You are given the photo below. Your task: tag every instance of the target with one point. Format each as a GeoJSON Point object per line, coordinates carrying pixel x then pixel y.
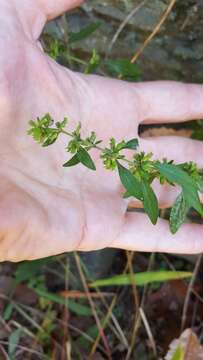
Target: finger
{"type": "Point", "coordinates": [170, 101]}
{"type": "Point", "coordinates": [34, 14]}
{"type": "Point", "coordinates": [138, 234]}
{"type": "Point", "coordinates": [165, 194]}
{"type": "Point", "coordinates": [175, 148]}
{"type": "Point", "coordinates": [53, 8]}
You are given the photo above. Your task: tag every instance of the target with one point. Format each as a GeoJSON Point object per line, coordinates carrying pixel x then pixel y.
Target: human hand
{"type": "Point", "coordinates": [46, 209]}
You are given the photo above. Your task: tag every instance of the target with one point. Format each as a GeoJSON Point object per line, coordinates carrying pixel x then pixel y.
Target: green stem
{"type": "Point", "coordinates": [66, 133]}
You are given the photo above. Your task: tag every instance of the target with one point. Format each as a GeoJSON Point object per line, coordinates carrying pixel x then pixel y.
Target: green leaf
{"type": "Point", "coordinates": [124, 68]}
{"type": "Point", "coordinates": [178, 354]}
{"type": "Point", "coordinates": [132, 144]}
{"type": "Point", "coordinates": [126, 195]}
{"type": "Point", "coordinates": [85, 159]}
{"type": "Point", "coordinates": [93, 63]}
{"type": "Point", "coordinates": [192, 199]}
{"type": "Point", "coordinates": [72, 162]}
{"type": "Point", "coordinates": [26, 270]}
{"type": "Point", "coordinates": [176, 175]}
{"type": "Point", "coordinates": [71, 304]}
{"type": "Point", "coordinates": [150, 202]}
{"type": "Point", "coordinates": [51, 139]}
{"type": "Point", "coordinates": [36, 133]}
{"type": "Point", "coordinates": [178, 213]}
{"type": "Point", "coordinates": [198, 134]}
{"type": "Point", "coordinates": [130, 183]}
{"type": "Point", "coordinates": [83, 33]}
{"type": "Point", "coordinates": [142, 278]}
{"type": "Point", "coordinates": [7, 313]}
{"type": "Point", "coordinates": [14, 339]}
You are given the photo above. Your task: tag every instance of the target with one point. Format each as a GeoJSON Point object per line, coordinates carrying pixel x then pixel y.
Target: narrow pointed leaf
{"type": "Point", "coordinates": [126, 195]}
{"type": "Point", "coordinates": [125, 68]}
{"type": "Point", "coordinates": [192, 199]}
{"type": "Point", "coordinates": [51, 140]}
{"type": "Point", "coordinates": [178, 213]}
{"type": "Point", "coordinates": [131, 144]}
{"type": "Point", "coordinates": [85, 159]}
{"type": "Point", "coordinates": [142, 278]}
{"type": "Point", "coordinates": [150, 202]}
{"type": "Point", "coordinates": [74, 306]}
{"type": "Point", "coordinates": [84, 33]}
{"type": "Point", "coordinates": [190, 189]}
{"type": "Point", "coordinates": [178, 354]}
{"type": "Point", "coordinates": [14, 339]}
{"type": "Point", "coordinates": [130, 183]}
{"type": "Point", "coordinates": [176, 175]}
{"type": "Point", "coordinates": [72, 162]}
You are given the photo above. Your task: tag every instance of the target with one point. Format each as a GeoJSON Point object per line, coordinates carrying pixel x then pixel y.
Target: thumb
{"type": "Point", "coordinates": [53, 8]}
{"type": "Point", "coordinates": [34, 14]}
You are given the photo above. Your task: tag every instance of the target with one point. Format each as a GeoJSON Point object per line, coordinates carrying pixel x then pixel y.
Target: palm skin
{"type": "Point", "coordinates": [46, 209]}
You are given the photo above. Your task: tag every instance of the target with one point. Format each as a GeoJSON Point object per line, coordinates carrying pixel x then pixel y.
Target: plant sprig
{"type": "Point", "coordinates": [138, 174]}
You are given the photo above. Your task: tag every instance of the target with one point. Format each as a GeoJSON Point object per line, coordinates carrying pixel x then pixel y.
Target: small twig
{"type": "Point", "coordinates": [133, 282]}
{"type": "Point", "coordinates": [108, 315]}
{"type": "Point", "coordinates": [149, 332]}
{"type": "Point", "coordinates": [154, 32]}
{"type": "Point", "coordinates": [4, 353]}
{"type": "Point", "coordinates": [26, 331]}
{"type": "Point", "coordinates": [75, 294]}
{"type": "Point", "coordinates": [5, 325]}
{"type": "Point", "coordinates": [24, 348]}
{"type": "Point", "coordinates": [189, 291]}
{"type": "Point", "coordinates": [138, 319]}
{"type": "Point", "coordinates": [136, 299]}
{"type": "Point", "coordinates": [124, 23]}
{"type": "Point", "coordinates": [117, 331]}
{"type": "Point", "coordinates": [77, 260]}
{"type": "Point", "coordinates": [84, 335]}
{"type": "Point", "coordinates": [66, 336]}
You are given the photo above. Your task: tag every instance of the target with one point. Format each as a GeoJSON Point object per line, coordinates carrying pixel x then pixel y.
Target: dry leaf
{"type": "Point", "coordinates": [189, 342]}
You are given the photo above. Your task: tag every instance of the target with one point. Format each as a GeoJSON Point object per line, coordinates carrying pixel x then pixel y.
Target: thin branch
{"type": "Point", "coordinates": [154, 32]}
{"type": "Point", "coordinates": [189, 291]}
{"type": "Point", "coordinates": [138, 318]}
{"type": "Point", "coordinates": [108, 315]}
{"type": "Point", "coordinates": [149, 332]}
{"type": "Point", "coordinates": [124, 23]}
{"type": "Point", "coordinates": [84, 282]}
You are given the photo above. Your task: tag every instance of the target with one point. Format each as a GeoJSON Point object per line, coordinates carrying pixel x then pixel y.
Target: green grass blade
{"type": "Point", "coordinates": [71, 304]}
{"type": "Point", "coordinates": [84, 33]}
{"type": "Point", "coordinates": [179, 354]}
{"type": "Point", "coordinates": [142, 278]}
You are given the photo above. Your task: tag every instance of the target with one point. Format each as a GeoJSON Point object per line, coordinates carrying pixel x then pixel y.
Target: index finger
{"type": "Point", "coordinates": [53, 8]}
{"type": "Point", "coordinates": [170, 101]}
{"type": "Point", "coordinates": [138, 234]}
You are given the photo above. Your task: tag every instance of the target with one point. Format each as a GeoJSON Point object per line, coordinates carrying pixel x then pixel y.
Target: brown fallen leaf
{"type": "Point", "coordinates": [189, 343]}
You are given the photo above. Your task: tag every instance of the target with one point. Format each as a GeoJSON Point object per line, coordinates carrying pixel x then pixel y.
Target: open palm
{"type": "Point", "coordinates": [46, 209]}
